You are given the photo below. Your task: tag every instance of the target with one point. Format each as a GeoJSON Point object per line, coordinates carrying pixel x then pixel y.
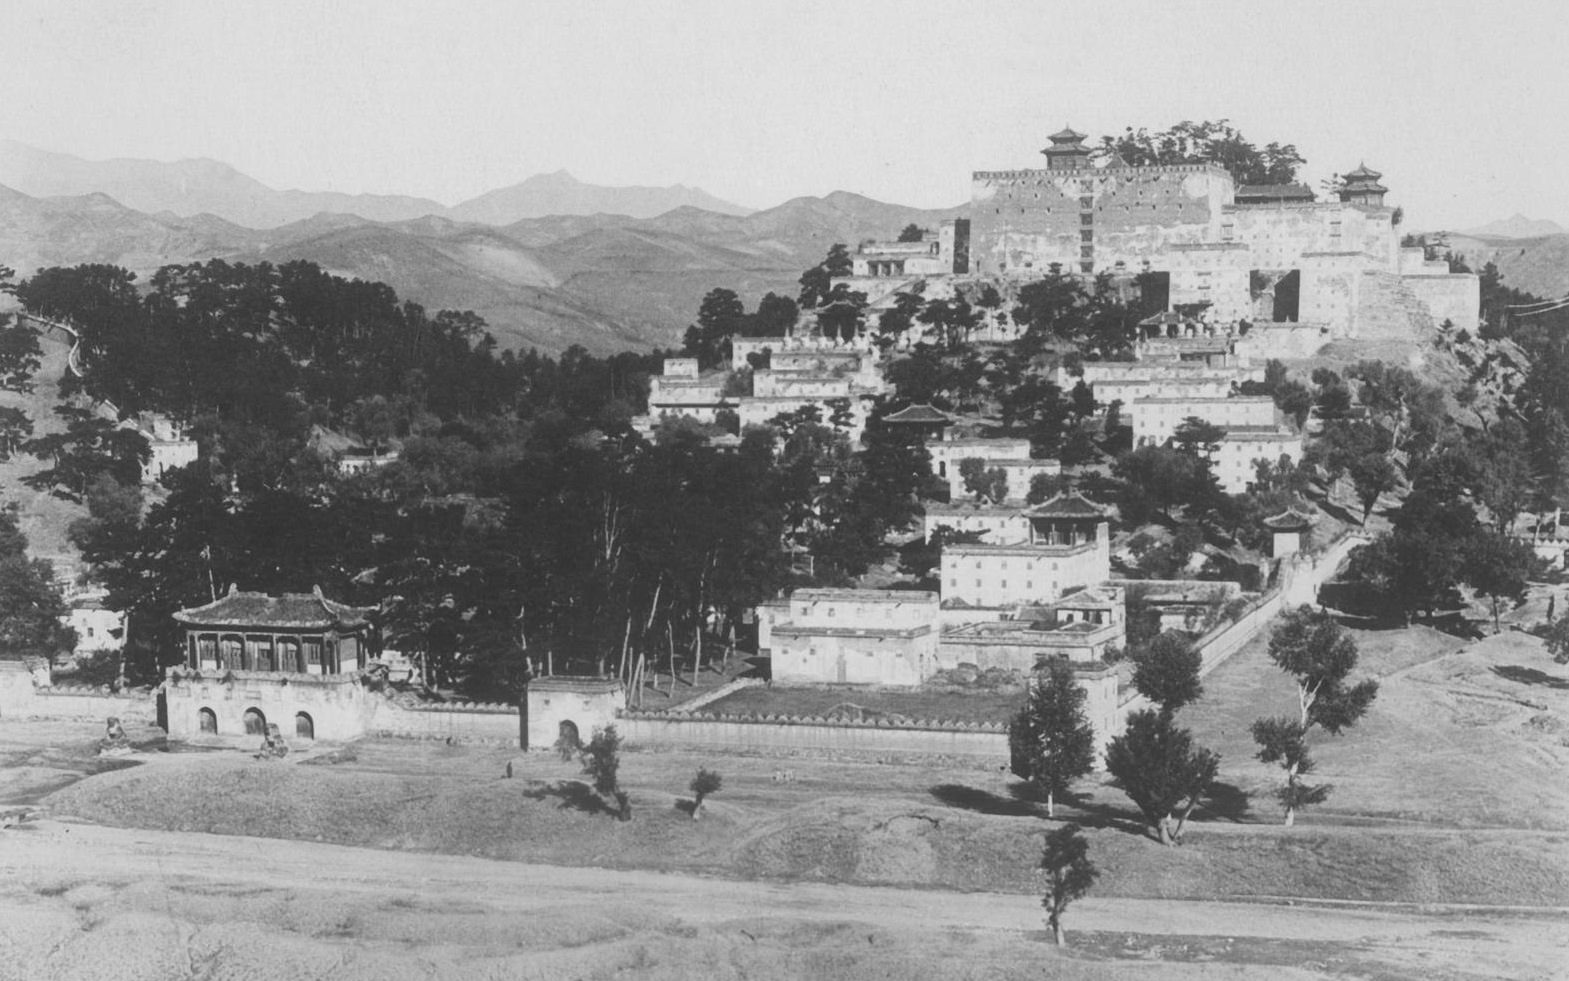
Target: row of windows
{"type": "Point", "coordinates": [887, 612]}
{"type": "Point", "coordinates": [1030, 564]}
{"type": "Point", "coordinates": [812, 652]}
{"type": "Point", "coordinates": [1087, 217]}
{"type": "Point", "coordinates": [980, 584]}
{"type": "Point", "coordinates": [257, 650]}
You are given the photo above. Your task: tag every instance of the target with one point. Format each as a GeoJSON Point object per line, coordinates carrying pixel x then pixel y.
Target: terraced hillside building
{"type": "Point", "coordinates": [1261, 254]}
{"type": "Point", "coordinates": [1067, 548]}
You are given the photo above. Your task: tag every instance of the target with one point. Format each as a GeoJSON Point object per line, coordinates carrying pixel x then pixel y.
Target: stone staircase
{"type": "Point", "coordinates": [1387, 310]}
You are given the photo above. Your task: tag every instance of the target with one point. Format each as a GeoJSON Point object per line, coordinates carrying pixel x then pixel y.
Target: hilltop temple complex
{"type": "Point", "coordinates": [1264, 254]}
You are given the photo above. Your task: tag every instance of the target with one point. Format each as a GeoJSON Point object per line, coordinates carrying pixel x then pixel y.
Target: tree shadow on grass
{"type": "Point", "coordinates": [1521, 674]}
{"type": "Point", "coordinates": [984, 801]}
{"type": "Point", "coordinates": [1226, 802]}
{"type": "Point", "coordinates": [1091, 813]}
{"type": "Point", "coordinates": [1023, 801]}
{"type": "Point", "coordinates": [574, 794]}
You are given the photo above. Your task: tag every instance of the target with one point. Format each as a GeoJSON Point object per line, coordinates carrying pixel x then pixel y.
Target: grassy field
{"type": "Point", "coordinates": [1450, 791]}
{"type": "Point", "coordinates": [1460, 736]}
{"type": "Point", "coordinates": [840, 822]}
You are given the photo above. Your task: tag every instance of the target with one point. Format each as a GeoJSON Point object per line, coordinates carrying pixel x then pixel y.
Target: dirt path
{"type": "Point", "coordinates": [78, 893]}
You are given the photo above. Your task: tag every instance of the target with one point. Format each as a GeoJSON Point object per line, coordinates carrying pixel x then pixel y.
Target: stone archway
{"type": "Point", "coordinates": [207, 721]}
{"type": "Point", "coordinates": [255, 722]}
{"type": "Point", "coordinates": [567, 736]}
{"type": "Point", "coordinates": [304, 726]}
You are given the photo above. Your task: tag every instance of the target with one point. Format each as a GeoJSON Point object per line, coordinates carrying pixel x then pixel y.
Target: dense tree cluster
{"type": "Point", "coordinates": [30, 605]}
{"type": "Point", "coordinates": [522, 519]}
{"type": "Point", "coordinates": [1211, 141]}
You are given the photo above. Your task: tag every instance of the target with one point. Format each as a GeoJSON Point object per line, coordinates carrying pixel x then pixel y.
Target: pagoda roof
{"type": "Point", "coordinates": [1067, 135]}
{"type": "Point", "coordinates": [1289, 520]}
{"type": "Point", "coordinates": [1068, 504]}
{"type": "Point", "coordinates": [298, 610]}
{"type": "Point", "coordinates": [922, 413]}
{"type": "Point", "coordinates": [1363, 173]}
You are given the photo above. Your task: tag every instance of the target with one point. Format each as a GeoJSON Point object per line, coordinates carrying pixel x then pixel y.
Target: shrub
{"type": "Point", "coordinates": [706, 782]}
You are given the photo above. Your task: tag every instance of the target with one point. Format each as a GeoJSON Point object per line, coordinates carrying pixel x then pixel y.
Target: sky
{"type": "Point", "coordinates": [1460, 104]}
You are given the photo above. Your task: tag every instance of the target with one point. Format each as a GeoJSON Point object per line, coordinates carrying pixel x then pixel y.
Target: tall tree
{"type": "Point", "coordinates": [775, 316]}
{"type": "Point", "coordinates": [1166, 671]}
{"type": "Point", "coordinates": [1312, 647]}
{"type": "Point", "coordinates": [817, 282]}
{"type": "Point", "coordinates": [1069, 874]}
{"type": "Point", "coordinates": [31, 610]}
{"type": "Point", "coordinates": [986, 483]}
{"type": "Point", "coordinates": [721, 317]}
{"type": "Point", "coordinates": [840, 313]}
{"type": "Point", "coordinates": [1162, 770]}
{"type": "Point", "coordinates": [90, 447]}
{"type": "Point", "coordinates": [1498, 567]}
{"type": "Point", "coordinates": [1050, 741]}
{"type": "Point", "coordinates": [601, 760]}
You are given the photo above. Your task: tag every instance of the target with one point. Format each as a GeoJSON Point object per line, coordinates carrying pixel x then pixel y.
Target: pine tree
{"type": "Point", "coordinates": [1311, 646]}
{"type": "Point", "coordinates": [1050, 740]}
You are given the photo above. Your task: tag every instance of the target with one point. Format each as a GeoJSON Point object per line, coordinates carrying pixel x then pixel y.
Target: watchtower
{"type": "Point", "coordinates": [1067, 151]}
{"type": "Point", "coordinates": [1362, 187]}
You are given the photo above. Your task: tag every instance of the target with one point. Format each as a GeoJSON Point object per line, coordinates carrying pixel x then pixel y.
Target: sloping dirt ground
{"type": "Point", "coordinates": [87, 902]}
{"type": "Point", "coordinates": [1448, 832]}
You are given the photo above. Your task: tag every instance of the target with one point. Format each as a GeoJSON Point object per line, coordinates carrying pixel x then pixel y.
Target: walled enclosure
{"type": "Point", "coordinates": [340, 707]}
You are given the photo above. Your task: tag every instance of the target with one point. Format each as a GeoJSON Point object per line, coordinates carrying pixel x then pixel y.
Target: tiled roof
{"type": "Point", "coordinates": [1289, 520]}
{"type": "Point", "coordinates": [287, 610]}
{"type": "Point", "coordinates": [1289, 192]}
{"type": "Point", "coordinates": [1363, 173]}
{"type": "Point", "coordinates": [815, 630]}
{"type": "Point", "coordinates": [973, 508]}
{"type": "Point", "coordinates": [919, 413]}
{"type": "Point", "coordinates": [1066, 135]}
{"type": "Point", "coordinates": [1068, 505]}
{"type": "Point", "coordinates": [863, 596]}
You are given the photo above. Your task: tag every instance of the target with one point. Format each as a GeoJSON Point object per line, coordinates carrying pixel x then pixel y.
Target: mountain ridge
{"type": "Point", "coordinates": [607, 282]}
{"type": "Point", "coordinates": [193, 186]}
{"type": "Point", "coordinates": [1516, 226]}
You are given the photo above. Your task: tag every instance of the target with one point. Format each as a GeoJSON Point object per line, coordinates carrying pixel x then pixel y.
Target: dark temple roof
{"type": "Point", "coordinates": [298, 610]}
{"type": "Point", "coordinates": [1289, 520]}
{"type": "Point", "coordinates": [1067, 505]}
{"type": "Point", "coordinates": [1275, 192]}
{"type": "Point", "coordinates": [922, 413]}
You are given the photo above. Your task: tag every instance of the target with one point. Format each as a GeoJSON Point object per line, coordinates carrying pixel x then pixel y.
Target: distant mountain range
{"type": "Point", "coordinates": [1537, 265]}
{"type": "Point", "coordinates": [1519, 226]}
{"type": "Point", "coordinates": [192, 187]}
{"type": "Point", "coordinates": [606, 281]}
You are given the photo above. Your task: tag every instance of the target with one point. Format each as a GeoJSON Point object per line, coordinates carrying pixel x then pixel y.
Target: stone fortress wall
{"type": "Point", "coordinates": [1343, 257]}
{"type": "Point", "coordinates": [1025, 220]}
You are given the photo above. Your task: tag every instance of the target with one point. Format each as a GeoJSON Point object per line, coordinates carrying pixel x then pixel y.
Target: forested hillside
{"type": "Point", "coordinates": [520, 509]}
{"type": "Point", "coordinates": [605, 282]}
